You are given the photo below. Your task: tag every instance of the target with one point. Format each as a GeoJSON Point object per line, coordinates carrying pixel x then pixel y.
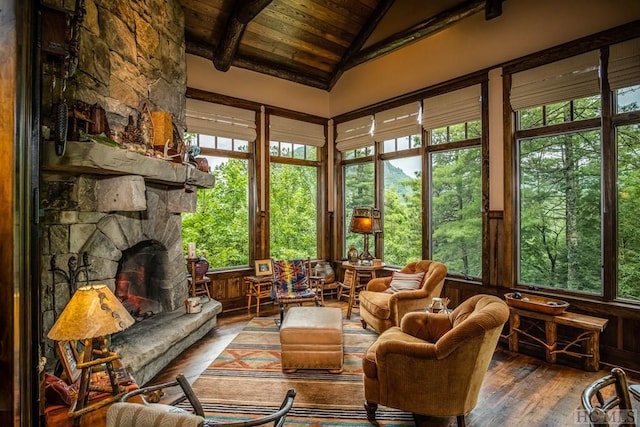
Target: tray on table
{"type": "Point", "coordinates": [540, 304]}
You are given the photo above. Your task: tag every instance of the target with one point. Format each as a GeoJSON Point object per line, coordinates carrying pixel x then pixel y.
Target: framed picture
{"type": "Point", "coordinates": [264, 267]}
{"type": "Point", "coordinates": [69, 359]}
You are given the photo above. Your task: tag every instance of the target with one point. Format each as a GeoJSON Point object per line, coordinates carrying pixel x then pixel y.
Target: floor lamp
{"type": "Point", "coordinates": [91, 315]}
{"type": "Point", "coordinates": [365, 221]}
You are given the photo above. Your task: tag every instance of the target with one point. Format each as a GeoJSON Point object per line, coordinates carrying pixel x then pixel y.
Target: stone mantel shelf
{"type": "Point", "coordinates": [95, 158]}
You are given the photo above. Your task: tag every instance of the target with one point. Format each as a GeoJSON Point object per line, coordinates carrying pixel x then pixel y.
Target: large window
{"type": "Point", "coordinates": [220, 226]}
{"type": "Point", "coordinates": [397, 131]}
{"type": "Point", "coordinates": [561, 153]}
{"type": "Point", "coordinates": [560, 169]}
{"type": "Point", "coordinates": [453, 131]}
{"type": "Point", "coordinates": [560, 221]}
{"type": "Point", "coordinates": [628, 142]}
{"type": "Point", "coordinates": [293, 187]}
{"type": "Point", "coordinates": [402, 207]}
{"type": "Point", "coordinates": [358, 192]}
{"type": "Point", "coordinates": [624, 78]}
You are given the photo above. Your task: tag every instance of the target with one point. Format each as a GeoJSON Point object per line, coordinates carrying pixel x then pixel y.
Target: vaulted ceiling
{"type": "Point", "coordinates": [313, 42]}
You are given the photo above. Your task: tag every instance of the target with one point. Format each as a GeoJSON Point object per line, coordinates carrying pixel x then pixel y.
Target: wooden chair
{"type": "Point", "coordinates": [344, 288]}
{"type": "Point", "coordinates": [599, 408]}
{"type": "Point", "coordinates": [125, 414]}
{"type": "Point", "coordinates": [291, 284]}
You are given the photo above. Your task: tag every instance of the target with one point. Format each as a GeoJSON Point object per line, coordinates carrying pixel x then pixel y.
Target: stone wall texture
{"type": "Point", "coordinates": [131, 52]}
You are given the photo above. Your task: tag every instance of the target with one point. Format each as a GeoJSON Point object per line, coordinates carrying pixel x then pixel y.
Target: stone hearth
{"type": "Point", "coordinates": [145, 354]}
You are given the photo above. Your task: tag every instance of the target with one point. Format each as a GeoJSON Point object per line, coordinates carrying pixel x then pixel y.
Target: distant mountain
{"type": "Point", "coordinates": [394, 177]}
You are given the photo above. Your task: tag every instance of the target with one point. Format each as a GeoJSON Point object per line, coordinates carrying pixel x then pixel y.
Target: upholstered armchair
{"type": "Point", "coordinates": [434, 364]}
{"type": "Point", "coordinates": [383, 303]}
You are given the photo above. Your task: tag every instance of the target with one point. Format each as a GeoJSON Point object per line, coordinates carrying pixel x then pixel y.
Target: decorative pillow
{"type": "Point", "coordinates": [405, 282]}
{"type": "Point", "coordinates": [56, 391]}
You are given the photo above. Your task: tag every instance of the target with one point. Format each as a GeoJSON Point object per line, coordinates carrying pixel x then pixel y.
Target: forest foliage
{"type": "Point", "coordinates": [559, 206]}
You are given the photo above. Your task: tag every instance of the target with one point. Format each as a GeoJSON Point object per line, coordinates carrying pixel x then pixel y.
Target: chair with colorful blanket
{"type": "Point", "coordinates": [291, 284]}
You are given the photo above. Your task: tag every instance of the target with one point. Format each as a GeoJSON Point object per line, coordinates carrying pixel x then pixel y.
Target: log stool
{"type": "Point", "coordinates": [311, 338]}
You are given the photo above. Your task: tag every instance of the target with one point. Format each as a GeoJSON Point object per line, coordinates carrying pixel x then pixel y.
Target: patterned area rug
{"type": "Point", "coordinates": [246, 381]}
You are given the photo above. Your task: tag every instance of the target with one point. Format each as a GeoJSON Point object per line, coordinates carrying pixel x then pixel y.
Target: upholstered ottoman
{"type": "Point", "coordinates": [311, 338]}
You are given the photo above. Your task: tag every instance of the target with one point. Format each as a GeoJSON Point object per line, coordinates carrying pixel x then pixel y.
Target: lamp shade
{"type": "Point", "coordinates": [365, 221]}
{"type": "Point", "coordinates": [93, 311]}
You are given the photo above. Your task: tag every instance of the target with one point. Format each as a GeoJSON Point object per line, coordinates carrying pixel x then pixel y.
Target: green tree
{"type": "Point", "coordinates": [293, 211]}
{"type": "Point", "coordinates": [358, 192]}
{"type": "Point", "coordinates": [220, 225]}
{"type": "Point", "coordinates": [628, 207]}
{"type": "Point", "coordinates": [402, 216]}
{"type": "Point", "coordinates": [456, 220]}
{"type": "Point", "coordinates": [560, 222]}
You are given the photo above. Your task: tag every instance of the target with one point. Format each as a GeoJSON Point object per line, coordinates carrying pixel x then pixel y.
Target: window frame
{"type": "Point", "coordinates": [607, 124]}
{"type": "Point", "coordinates": [318, 163]}
{"type": "Point", "coordinates": [248, 156]}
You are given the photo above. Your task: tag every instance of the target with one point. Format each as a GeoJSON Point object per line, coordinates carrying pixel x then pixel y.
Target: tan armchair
{"type": "Point", "coordinates": [382, 310]}
{"type": "Point", "coordinates": [434, 364]}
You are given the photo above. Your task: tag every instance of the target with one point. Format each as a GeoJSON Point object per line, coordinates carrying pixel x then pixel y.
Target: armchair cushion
{"type": "Point", "coordinates": [377, 303]}
{"type": "Point", "coordinates": [405, 282]}
{"type": "Point", "coordinates": [425, 326]}
{"type": "Point", "coordinates": [382, 309]}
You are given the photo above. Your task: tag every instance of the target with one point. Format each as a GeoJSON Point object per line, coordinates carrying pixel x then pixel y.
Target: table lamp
{"type": "Point", "coordinates": [365, 221]}
{"type": "Point", "coordinates": [93, 313]}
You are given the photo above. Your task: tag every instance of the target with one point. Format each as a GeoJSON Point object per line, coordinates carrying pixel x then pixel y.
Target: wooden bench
{"type": "Point", "coordinates": [588, 339]}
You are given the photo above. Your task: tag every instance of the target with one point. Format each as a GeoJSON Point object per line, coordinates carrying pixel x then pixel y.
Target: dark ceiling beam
{"type": "Point", "coordinates": [282, 73]}
{"type": "Point", "coordinates": [205, 51]}
{"type": "Point", "coordinates": [243, 12]}
{"type": "Point", "coordinates": [361, 38]}
{"type": "Point", "coordinates": [419, 31]}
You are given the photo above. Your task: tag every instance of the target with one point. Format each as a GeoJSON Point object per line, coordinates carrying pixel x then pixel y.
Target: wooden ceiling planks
{"type": "Point", "coordinates": [311, 42]}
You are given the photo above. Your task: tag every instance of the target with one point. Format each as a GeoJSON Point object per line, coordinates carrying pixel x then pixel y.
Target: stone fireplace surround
{"type": "Point", "coordinates": [104, 201]}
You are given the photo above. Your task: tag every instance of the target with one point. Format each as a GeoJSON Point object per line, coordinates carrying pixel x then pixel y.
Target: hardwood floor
{"type": "Point", "coordinates": [519, 390]}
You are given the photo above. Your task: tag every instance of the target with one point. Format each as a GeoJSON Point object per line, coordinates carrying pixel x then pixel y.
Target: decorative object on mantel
{"type": "Point", "coordinates": [60, 45]}
{"type": "Point", "coordinates": [91, 315]}
{"type": "Point", "coordinates": [145, 124]}
{"type": "Point", "coordinates": [99, 123]}
{"type": "Point", "coordinates": [166, 139]}
{"type": "Point", "coordinates": [132, 137]}
{"type": "Point", "coordinates": [162, 130]}
{"type": "Point", "coordinates": [79, 120]}
{"type": "Point", "coordinates": [175, 151]}
{"type": "Point", "coordinates": [536, 303]}
{"type": "Point", "coordinates": [203, 164]}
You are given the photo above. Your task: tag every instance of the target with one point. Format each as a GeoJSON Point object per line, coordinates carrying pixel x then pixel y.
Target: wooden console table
{"type": "Point", "coordinates": [258, 287]}
{"type": "Point", "coordinates": [588, 339]}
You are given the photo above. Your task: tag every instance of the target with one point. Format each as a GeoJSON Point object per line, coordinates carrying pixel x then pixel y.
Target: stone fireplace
{"type": "Point", "coordinates": [120, 212]}
{"type": "Point", "coordinates": [139, 279]}
{"type": "Point", "coordinates": [109, 215]}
